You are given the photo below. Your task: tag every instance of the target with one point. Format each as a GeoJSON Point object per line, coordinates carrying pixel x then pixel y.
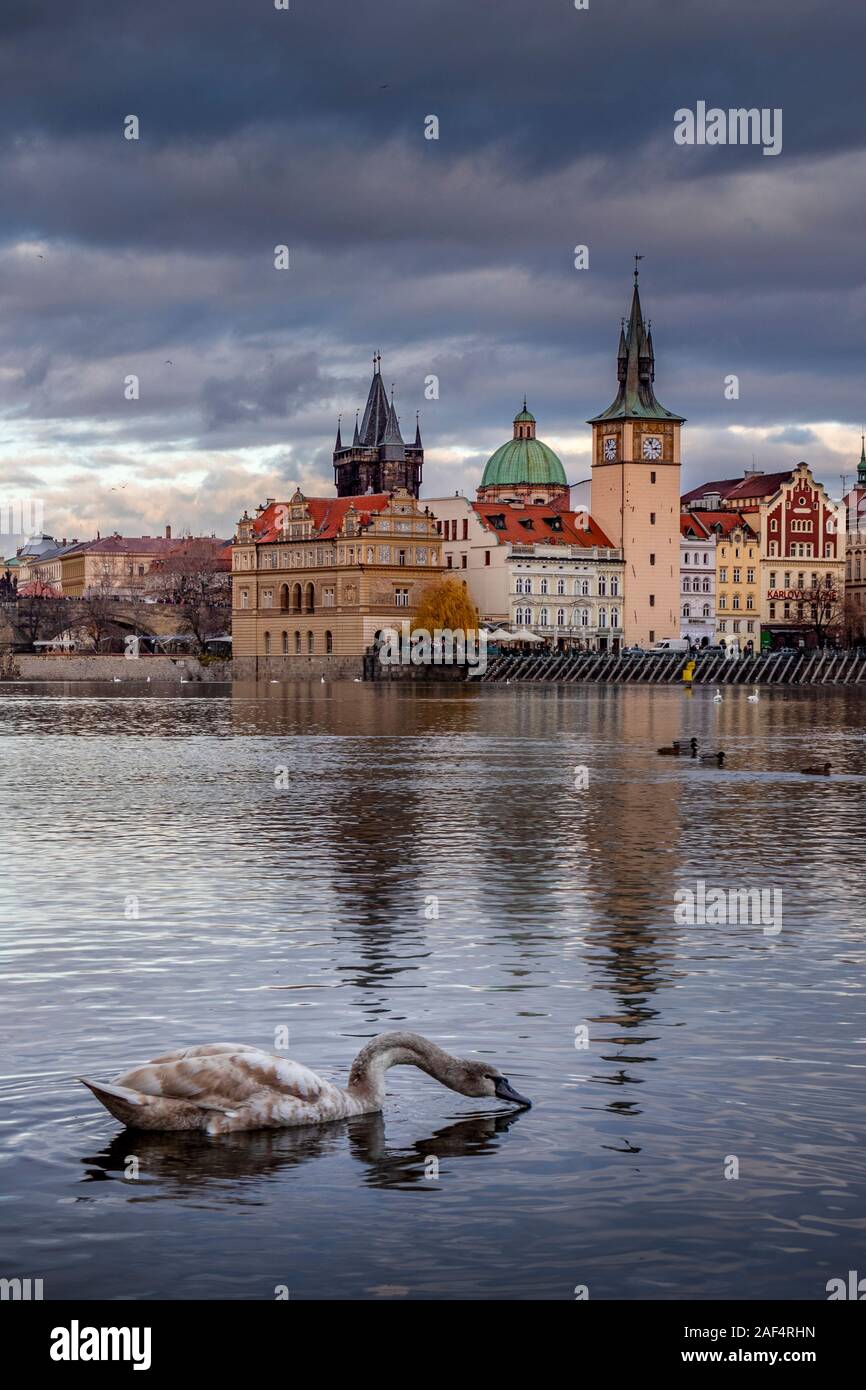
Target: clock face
{"type": "Point", "coordinates": [610, 447]}
{"type": "Point", "coordinates": [652, 447]}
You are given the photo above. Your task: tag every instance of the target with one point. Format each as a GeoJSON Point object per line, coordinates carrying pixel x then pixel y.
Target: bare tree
{"type": "Point", "coordinates": [195, 580]}
{"type": "Point", "coordinates": [824, 610]}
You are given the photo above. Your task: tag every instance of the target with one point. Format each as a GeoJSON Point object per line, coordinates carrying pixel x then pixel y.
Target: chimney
{"type": "Point", "coordinates": [168, 533]}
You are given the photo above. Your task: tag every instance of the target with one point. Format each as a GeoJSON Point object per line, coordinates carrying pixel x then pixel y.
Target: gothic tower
{"type": "Point", "coordinates": [636, 486]}
{"type": "Point", "coordinates": [378, 460]}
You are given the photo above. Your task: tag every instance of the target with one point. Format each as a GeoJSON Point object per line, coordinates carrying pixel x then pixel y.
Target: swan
{"type": "Point", "coordinates": [222, 1087]}
{"type": "Point", "coordinates": [753, 699]}
{"type": "Point", "coordinates": [117, 679]}
{"type": "Point", "coordinates": [321, 680]}
{"type": "Point", "coordinates": [717, 698]}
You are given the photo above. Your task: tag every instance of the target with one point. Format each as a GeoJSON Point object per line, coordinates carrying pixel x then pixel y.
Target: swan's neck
{"type": "Point", "coordinates": [367, 1077]}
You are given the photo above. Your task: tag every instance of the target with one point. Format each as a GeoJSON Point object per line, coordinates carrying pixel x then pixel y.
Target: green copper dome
{"type": "Point", "coordinates": [524, 459]}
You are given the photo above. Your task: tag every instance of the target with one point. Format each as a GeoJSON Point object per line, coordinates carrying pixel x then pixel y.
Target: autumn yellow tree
{"type": "Point", "coordinates": [445, 605]}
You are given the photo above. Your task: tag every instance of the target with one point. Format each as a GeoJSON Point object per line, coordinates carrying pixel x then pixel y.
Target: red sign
{"type": "Point", "coordinates": [804, 595]}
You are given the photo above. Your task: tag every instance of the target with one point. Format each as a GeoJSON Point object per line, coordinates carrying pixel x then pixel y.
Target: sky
{"type": "Point", "coordinates": [305, 127]}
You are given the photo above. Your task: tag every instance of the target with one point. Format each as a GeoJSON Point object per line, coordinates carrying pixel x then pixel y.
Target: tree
{"type": "Point", "coordinates": [36, 619]}
{"type": "Point", "coordinates": [824, 610]}
{"type": "Point", "coordinates": [445, 604]}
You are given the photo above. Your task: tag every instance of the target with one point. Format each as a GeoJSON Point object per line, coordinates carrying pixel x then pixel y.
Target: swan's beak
{"type": "Point", "coordinates": [505, 1091]}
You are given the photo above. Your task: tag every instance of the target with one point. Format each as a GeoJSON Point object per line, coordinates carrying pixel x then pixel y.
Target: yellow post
{"type": "Point", "coordinates": [688, 672]}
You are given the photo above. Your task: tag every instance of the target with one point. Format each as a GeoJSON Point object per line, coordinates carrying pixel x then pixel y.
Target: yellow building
{"type": "Point", "coordinates": [636, 488]}
{"type": "Point", "coordinates": [738, 577]}
{"type": "Point", "coordinates": [314, 580]}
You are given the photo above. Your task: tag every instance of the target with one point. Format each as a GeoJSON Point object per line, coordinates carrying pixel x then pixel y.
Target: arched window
{"type": "Point", "coordinates": [602, 584]}
{"type": "Point", "coordinates": [602, 617]}
{"type": "Point", "coordinates": [614, 617]}
{"type": "Point", "coordinates": [311, 644]}
{"type": "Point", "coordinates": [267, 644]}
{"type": "Point", "coordinates": [687, 611]}
{"type": "Point", "coordinates": [284, 597]}
{"type": "Point", "coordinates": [542, 617]}
{"type": "Point", "coordinates": [560, 586]}
{"type": "Point", "coordinates": [310, 598]}
{"type": "Point", "coordinates": [614, 585]}
{"type": "Point", "coordinates": [297, 644]}
{"type": "Point", "coordinates": [543, 588]}
{"type": "Point", "coordinates": [584, 587]}
{"type": "Point", "coordinates": [560, 617]}
{"type": "Point", "coordinates": [329, 642]}
{"type": "Point", "coordinates": [296, 598]}
{"type": "Point", "coordinates": [518, 588]}
{"type": "Point", "coordinates": [285, 644]}
{"type": "Point", "coordinates": [706, 610]}
{"type": "Point", "coordinates": [584, 617]}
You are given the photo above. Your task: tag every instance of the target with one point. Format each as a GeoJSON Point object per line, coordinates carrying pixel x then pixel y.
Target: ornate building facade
{"type": "Point", "coordinates": [636, 486]}
{"type": "Point", "coordinates": [315, 579]}
{"type": "Point", "coordinates": [378, 460]}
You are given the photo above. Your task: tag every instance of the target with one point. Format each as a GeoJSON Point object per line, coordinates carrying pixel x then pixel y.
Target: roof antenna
{"type": "Point", "coordinates": [636, 259]}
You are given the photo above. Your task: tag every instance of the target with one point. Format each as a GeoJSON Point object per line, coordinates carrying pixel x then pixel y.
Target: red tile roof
{"type": "Point", "coordinates": [732, 489]}
{"type": "Point", "coordinates": [570, 525]}
{"type": "Point", "coordinates": [706, 521]}
{"type": "Point", "coordinates": [327, 513]}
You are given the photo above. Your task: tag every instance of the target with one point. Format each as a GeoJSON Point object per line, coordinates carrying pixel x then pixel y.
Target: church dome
{"type": "Point", "coordinates": [524, 459]}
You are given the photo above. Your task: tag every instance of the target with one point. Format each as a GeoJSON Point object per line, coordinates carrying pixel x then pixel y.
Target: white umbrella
{"type": "Point", "coordinates": [523, 634]}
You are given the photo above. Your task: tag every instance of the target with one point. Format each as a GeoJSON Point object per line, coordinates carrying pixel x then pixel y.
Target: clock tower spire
{"type": "Point", "coordinates": [636, 484]}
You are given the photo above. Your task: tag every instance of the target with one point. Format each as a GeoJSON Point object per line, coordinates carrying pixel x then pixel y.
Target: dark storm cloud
{"type": "Point", "coordinates": [305, 127]}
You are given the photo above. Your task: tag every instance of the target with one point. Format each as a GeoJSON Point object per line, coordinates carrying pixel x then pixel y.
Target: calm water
{"type": "Point", "coordinates": [305, 908]}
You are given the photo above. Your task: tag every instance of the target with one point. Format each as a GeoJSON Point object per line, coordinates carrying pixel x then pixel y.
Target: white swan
{"type": "Point", "coordinates": [228, 1086]}
{"type": "Point", "coordinates": [717, 698]}
{"type": "Point", "coordinates": [322, 680]}
{"type": "Point", "coordinates": [117, 679]}
{"type": "Point", "coordinates": [753, 699]}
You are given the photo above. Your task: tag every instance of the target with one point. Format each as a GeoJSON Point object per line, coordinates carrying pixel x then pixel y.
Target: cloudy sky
{"type": "Point", "coordinates": [455, 257]}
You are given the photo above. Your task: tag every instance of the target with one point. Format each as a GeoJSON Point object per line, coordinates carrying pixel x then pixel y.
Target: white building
{"type": "Point", "coordinates": [535, 566]}
{"type": "Point", "coordinates": [697, 580]}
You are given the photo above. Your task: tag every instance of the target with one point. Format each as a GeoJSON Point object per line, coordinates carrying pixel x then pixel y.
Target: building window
{"type": "Point", "coordinates": [736, 573]}
{"type": "Point", "coordinates": [267, 644]}
{"type": "Point", "coordinates": [464, 561]}
{"type": "Point", "coordinates": [487, 557]}
{"type": "Point", "coordinates": [285, 644]}
{"type": "Point", "coordinates": [542, 618]}
{"type": "Point", "coordinates": [736, 602]}
{"type": "Point", "coordinates": [311, 644]}
{"type": "Point", "coordinates": [560, 617]}
{"type": "Point", "coordinates": [401, 598]}
{"type": "Point", "coordinates": [652, 476]}
{"type": "Point", "coordinates": [543, 587]}
{"type": "Point", "coordinates": [245, 598]}
{"type": "Point", "coordinates": [614, 585]}
{"type": "Point", "coordinates": [297, 644]}
{"type": "Point", "coordinates": [652, 559]}
{"type": "Point", "coordinates": [652, 600]}
{"type": "Point", "coordinates": [602, 585]}
{"type": "Point", "coordinates": [614, 617]}
{"type": "Point", "coordinates": [652, 518]}
{"type": "Point", "coordinates": [584, 617]}
{"type": "Point", "coordinates": [465, 529]}
{"type": "Point", "coordinates": [268, 598]}
{"type": "Point", "coordinates": [707, 611]}
{"type": "Point", "coordinates": [310, 595]}
{"type": "Point", "coordinates": [772, 610]}
{"type": "Point", "coordinates": [750, 601]}
{"type": "Point", "coordinates": [602, 617]}
{"type": "Point", "coordinates": [584, 588]}
{"type": "Point", "coordinates": [723, 600]}
{"type": "Point", "coordinates": [560, 586]}
{"type": "Point", "coordinates": [329, 642]}
{"type": "Point", "coordinates": [401, 557]}
{"type": "Point", "coordinates": [328, 597]}
{"type": "Point", "coordinates": [723, 626]}
{"type": "Point", "coordinates": [687, 612]}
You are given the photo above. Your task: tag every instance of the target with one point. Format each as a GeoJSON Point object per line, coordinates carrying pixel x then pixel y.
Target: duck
{"type": "Point", "coordinates": [678, 747]}
{"type": "Point", "coordinates": [718, 758]}
{"type": "Point", "coordinates": [822, 771]}
{"type": "Point", "coordinates": [321, 680]}
{"type": "Point", "coordinates": [753, 699]}
{"type": "Point", "coordinates": [220, 1088]}
{"type": "Point", "coordinates": [718, 697]}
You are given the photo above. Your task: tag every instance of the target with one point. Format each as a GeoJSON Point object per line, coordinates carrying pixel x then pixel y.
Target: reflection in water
{"type": "Point", "coordinates": [433, 864]}
{"type": "Point", "coordinates": [171, 1167]}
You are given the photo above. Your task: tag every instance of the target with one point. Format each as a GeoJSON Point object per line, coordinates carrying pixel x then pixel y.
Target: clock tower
{"type": "Point", "coordinates": [636, 486]}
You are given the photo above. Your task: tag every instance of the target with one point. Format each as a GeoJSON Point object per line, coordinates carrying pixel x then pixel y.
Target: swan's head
{"type": "Point", "coordinates": [481, 1079]}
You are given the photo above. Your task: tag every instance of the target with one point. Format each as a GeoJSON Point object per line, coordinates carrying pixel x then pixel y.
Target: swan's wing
{"type": "Point", "coordinates": [219, 1075]}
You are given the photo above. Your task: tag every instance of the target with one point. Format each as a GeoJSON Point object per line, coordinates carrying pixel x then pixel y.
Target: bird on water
{"type": "Point", "coordinates": [223, 1087]}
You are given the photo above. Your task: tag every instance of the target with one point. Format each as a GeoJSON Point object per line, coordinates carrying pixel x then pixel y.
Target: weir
{"type": "Point", "coordinates": [784, 668]}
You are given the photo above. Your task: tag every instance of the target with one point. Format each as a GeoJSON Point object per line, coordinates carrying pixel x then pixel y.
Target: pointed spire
{"type": "Point", "coordinates": [861, 467]}
{"type": "Point", "coordinates": [375, 418]}
{"type": "Point", "coordinates": [392, 433]}
{"type": "Point", "coordinates": [357, 439]}
{"type": "Point", "coordinates": [635, 368]}
{"type": "Point", "coordinates": [339, 443]}
{"type": "Point", "coordinates": [418, 444]}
